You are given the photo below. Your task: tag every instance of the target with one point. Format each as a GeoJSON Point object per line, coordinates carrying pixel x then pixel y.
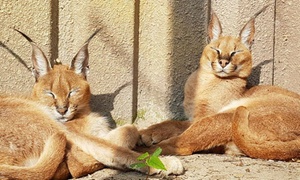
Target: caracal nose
{"type": "Point", "coordinates": [223, 62]}
{"type": "Point", "coordinates": [62, 110]}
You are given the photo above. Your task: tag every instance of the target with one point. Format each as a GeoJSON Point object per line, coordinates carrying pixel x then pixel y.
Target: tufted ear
{"type": "Point", "coordinates": [247, 33]}
{"type": "Point", "coordinates": [214, 27]}
{"type": "Point", "coordinates": [80, 63]}
{"type": "Point", "coordinates": [41, 65]}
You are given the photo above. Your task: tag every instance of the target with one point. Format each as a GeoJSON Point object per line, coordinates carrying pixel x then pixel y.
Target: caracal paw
{"type": "Point", "coordinates": [151, 136]}
{"type": "Point", "coordinates": [162, 131]}
{"type": "Point", "coordinates": [172, 164]}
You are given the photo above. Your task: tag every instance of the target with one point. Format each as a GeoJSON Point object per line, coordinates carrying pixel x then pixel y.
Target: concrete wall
{"type": "Point", "coordinates": [111, 51]}
{"type": "Point", "coordinates": [145, 50]}
{"type": "Point", "coordinates": [34, 19]}
{"type": "Point", "coordinates": [287, 45]}
{"type": "Point", "coordinates": [171, 40]}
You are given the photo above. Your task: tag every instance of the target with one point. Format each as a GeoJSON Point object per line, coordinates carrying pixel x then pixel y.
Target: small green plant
{"type": "Point", "coordinates": [147, 160]}
{"type": "Point", "coordinates": [141, 114]}
{"type": "Point", "coordinates": [121, 122]}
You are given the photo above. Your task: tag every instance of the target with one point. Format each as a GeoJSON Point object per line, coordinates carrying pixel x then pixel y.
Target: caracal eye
{"type": "Point", "coordinates": [232, 53]}
{"type": "Point", "coordinates": [235, 52]}
{"type": "Point", "coordinates": [73, 92]}
{"type": "Point", "coordinates": [50, 93]}
{"type": "Point", "coordinates": [217, 50]}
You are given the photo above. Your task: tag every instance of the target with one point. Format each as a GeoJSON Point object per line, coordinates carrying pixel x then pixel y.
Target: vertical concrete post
{"type": "Point", "coordinates": [172, 36]}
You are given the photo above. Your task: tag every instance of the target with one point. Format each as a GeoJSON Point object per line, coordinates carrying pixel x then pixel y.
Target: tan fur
{"type": "Point", "coordinates": [54, 133]}
{"type": "Point", "coordinates": [22, 128]}
{"type": "Point", "coordinates": [262, 122]}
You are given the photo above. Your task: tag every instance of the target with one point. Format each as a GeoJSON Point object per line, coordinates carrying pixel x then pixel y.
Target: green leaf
{"type": "Point", "coordinates": [157, 152]}
{"type": "Point", "coordinates": [138, 165]}
{"type": "Point", "coordinates": [155, 162]}
{"type": "Point", "coordinates": [143, 156]}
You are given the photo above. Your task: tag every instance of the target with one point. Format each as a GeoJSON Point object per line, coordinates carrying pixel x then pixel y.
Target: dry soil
{"type": "Point", "coordinates": [213, 167]}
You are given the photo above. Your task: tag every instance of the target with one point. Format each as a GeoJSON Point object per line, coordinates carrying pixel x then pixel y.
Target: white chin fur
{"type": "Point", "coordinates": [61, 118]}
{"type": "Point", "coordinates": [222, 74]}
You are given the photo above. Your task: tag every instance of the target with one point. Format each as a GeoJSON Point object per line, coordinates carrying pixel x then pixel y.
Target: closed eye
{"type": "Point", "coordinates": [50, 93]}
{"type": "Point", "coordinates": [73, 92]}
{"type": "Point", "coordinates": [234, 52]}
{"type": "Point", "coordinates": [217, 50]}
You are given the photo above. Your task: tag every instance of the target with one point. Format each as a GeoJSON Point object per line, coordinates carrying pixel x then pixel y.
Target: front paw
{"type": "Point", "coordinates": [148, 137]}
{"type": "Point", "coordinates": [155, 134]}
{"type": "Point", "coordinates": [172, 164]}
{"type": "Point", "coordinates": [162, 131]}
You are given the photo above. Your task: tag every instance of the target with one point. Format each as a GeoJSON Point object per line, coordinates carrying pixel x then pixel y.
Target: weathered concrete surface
{"type": "Point", "coordinates": [172, 36]}
{"type": "Point", "coordinates": [287, 45]}
{"type": "Point", "coordinates": [33, 18]}
{"type": "Point", "coordinates": [111, 51]}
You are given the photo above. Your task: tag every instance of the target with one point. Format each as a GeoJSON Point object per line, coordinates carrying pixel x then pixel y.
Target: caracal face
{"type": "Point", "coordinates": [64, 92]}
{"type": "Point", "coordinates": [227, 57]}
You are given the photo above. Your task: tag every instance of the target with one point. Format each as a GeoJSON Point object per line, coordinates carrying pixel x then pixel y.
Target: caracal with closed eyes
{"type": "Point", "coordinates": [54, 134]}
{"type": "Point", "coordinates": [262, 122]}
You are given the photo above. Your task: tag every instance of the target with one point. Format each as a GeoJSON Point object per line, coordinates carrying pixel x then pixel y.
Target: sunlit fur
{"type": "Point", "coordinates": [231, 49]}
{"type": "Point", "coordinates": [261, 122]}
{"type": "Point", "coordinates": [59, 89]}
{"type": "Point", "coordinates": [54, 135]}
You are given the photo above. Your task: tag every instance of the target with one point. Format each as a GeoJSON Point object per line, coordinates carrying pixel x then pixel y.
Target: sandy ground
{"type": "Point", "coordinates": [213, 167]}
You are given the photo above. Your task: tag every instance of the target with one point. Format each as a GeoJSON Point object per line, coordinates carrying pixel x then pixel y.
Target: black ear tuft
{"type": "Point", "coordinates": [80, 63]}
{"type": "Point", "coordinates": [248, 31]}
{"type": "Point", "coordinates": [41, 65]}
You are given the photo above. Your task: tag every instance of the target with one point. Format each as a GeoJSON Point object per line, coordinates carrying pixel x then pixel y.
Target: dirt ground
{"type": "Point", "coordinates": [215, 167]}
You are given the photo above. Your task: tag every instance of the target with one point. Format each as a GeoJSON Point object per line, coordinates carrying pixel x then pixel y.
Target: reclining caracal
{"type": "Point", "coordinates": [262, 122]}
{"type": "Point", "coordinates": [54, 134]}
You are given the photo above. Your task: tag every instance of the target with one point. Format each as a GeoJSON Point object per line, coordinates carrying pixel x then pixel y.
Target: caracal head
{"type": "Point", "coordinates": [63, 89]}
{"type": "Point", "coordinates": [228, 56]}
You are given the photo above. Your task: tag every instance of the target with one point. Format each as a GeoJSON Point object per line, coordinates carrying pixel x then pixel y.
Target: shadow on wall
{"type": "Point", "coordinates": [15, 55]}
{"type": "Point", "coordinates": [104, 103]}
{"type": "Point", "coordinates": [254, 77]}
{"type": "Point", "coordinates": [188, 41]}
